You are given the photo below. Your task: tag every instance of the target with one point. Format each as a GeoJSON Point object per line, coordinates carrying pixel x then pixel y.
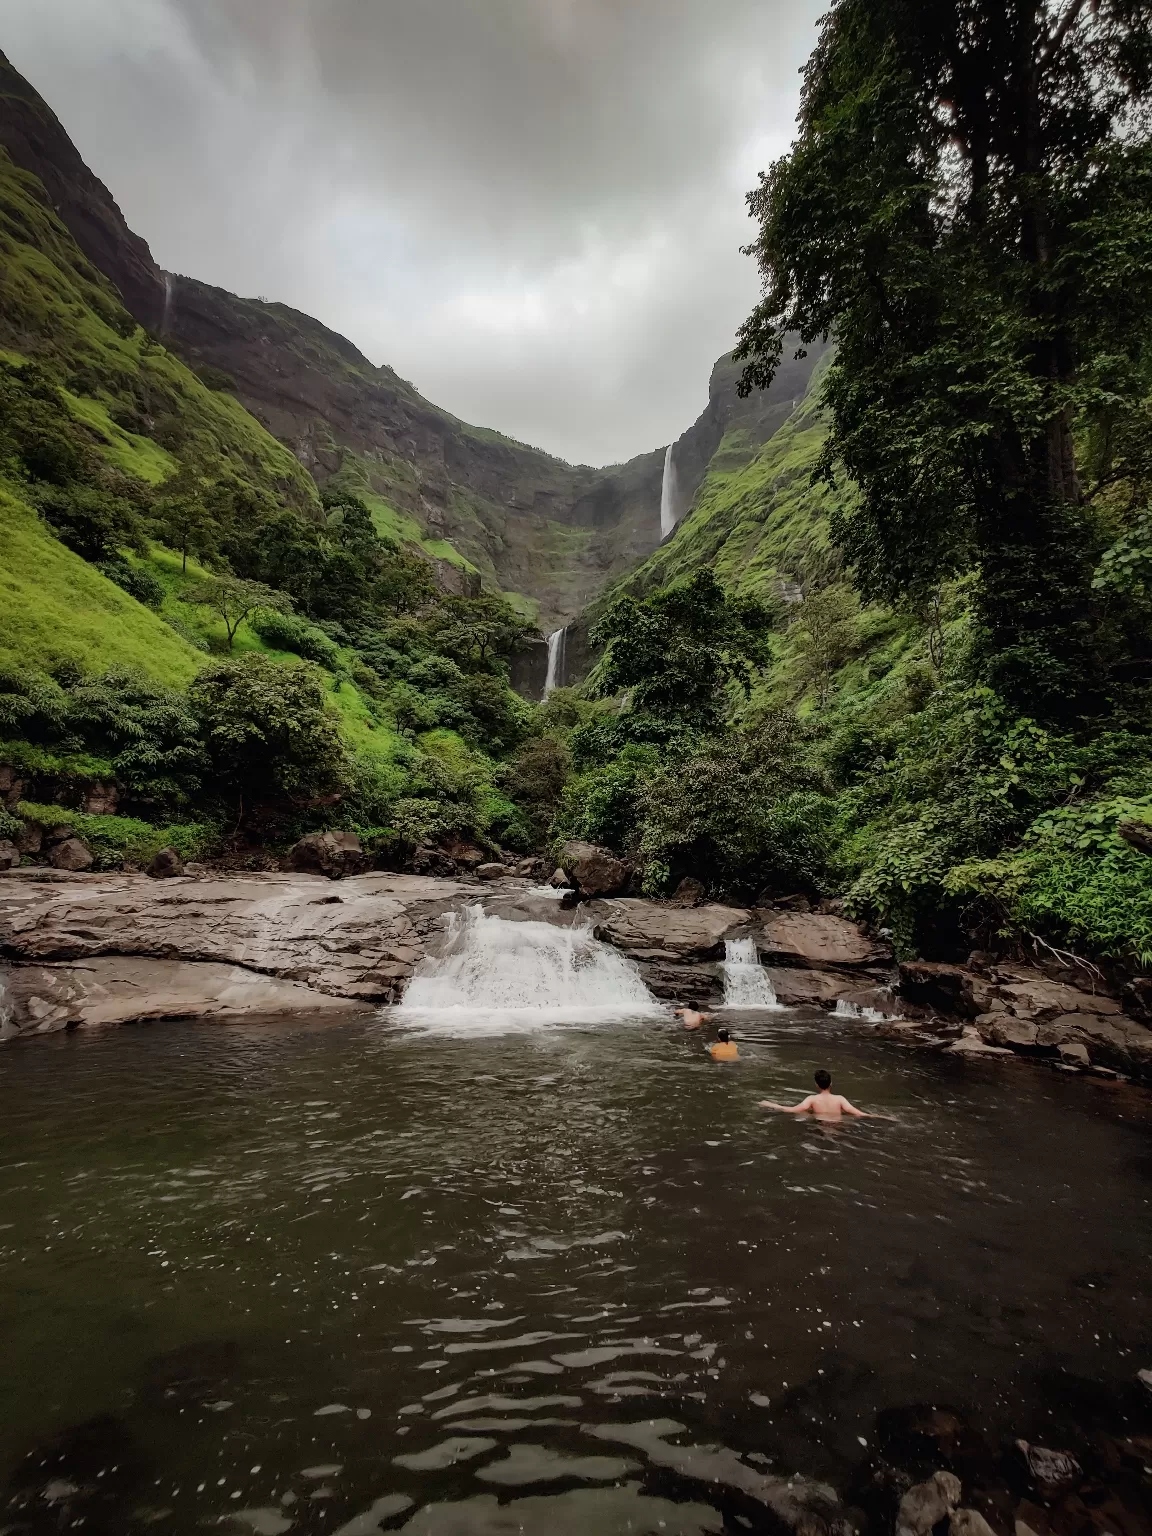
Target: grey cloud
{"type": "Point", "coordinates": [531, 208]}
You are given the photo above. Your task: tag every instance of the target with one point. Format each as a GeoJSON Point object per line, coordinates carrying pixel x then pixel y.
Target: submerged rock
{"type": "Point", "coordinates": [927, 1503]}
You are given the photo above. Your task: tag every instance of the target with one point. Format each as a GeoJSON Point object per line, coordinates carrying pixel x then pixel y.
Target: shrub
{"type": "Point", "coordinates": [746, 812]}
{"type": "Point", "coordinates": [116, 840]}
{"type": "Point", "coordinates": [535, 780]}
{"type": "Point", "coordinates": [269, 731]}
{"type": "Point", "coordinates": [287, 632]}
{"type": "Point", "coordinates": [137, 580]}
{"type": "Point", "coordinates": [602, 805]}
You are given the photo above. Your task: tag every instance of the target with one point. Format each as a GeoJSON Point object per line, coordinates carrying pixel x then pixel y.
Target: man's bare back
{"type": "Point", "coordinates": [824, 1104]}
{"type": "Point", "coordinates": [693, 1019]}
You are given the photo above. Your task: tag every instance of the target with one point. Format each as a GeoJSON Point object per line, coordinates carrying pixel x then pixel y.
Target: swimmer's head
{"type": "Point", "coordinates": [823, 1079]}
{"type": "Point", "coordinates": [723, 1036]}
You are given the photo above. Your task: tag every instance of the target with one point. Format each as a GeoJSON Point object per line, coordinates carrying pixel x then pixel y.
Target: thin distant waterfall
{"type": "Point", "coordinates": [555, 678]}
{"type": "Point", "coordinates": [169, 290]}
{"type": "Point", "coordinates": [668, 495]}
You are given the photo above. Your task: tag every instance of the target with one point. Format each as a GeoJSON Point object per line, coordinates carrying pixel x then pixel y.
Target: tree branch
{"type": "Point", "coordinates": [1063, 27]}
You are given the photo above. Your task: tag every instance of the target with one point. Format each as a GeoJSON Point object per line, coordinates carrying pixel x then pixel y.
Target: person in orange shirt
{"type": "Point", "coordinates": [724, 1047]}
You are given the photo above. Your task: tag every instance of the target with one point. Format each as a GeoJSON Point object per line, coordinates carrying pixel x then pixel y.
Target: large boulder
{"type": "Point", "coordinates": [166, 864]}
{"type": "Point", "coordinates": [71, 854]}
{"type": "Point", "coordinates": [490, 871]}
{"type": "Point", "coordinates": [593, 870]}
{"type": "Point", "coordinates": [9, 855]}
{"type": "Point", "coordinates": [819, 940]}
{"type": "Point", "coordinates": [30, 838]}
{"type": "Point", "coordinates": [334, 854]}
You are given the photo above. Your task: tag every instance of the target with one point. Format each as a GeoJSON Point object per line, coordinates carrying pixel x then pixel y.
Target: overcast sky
{"type": "Point", "coordinates": [530, 208]}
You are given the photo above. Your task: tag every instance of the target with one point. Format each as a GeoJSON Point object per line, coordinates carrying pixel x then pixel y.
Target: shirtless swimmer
{"type": "Point", "coordinates": [824, 1104]}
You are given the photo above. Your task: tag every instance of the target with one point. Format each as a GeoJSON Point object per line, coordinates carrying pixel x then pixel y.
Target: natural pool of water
{"type": "Point", "coordinates": [356, 1277]}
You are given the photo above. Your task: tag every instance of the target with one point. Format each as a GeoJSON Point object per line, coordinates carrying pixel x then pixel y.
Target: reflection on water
{"type": "Point", "coordinates": [352, 1278]}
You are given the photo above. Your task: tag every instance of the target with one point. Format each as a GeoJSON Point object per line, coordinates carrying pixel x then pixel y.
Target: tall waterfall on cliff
{"type": "Point", "coordinates": [668, 495]}
{"type": "Point", "coordinates": [555, 678]}
{"type": "Point", "coordinates": [746, 982]}
{"type": "Point", "coordinates": [169, 289]}
{"type": "Point", "coordinates": [496, 975]}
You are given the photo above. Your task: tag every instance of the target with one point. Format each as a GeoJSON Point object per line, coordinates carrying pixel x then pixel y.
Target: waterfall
{"type": "Point", "coordinates": [746, 982]}
{"type": "Point", "coordinates": [169, 290]}
{"type": "Point", "coordinates": [668, 495]}
{"type": "Point", "coordinates": [555, 678]}
{"type": "Point", "coordinates": [846, 1010]}
{"type": "Point", "coordinates": [7, 1013]}
{"type": "Point", "coordinates": [497, 976]}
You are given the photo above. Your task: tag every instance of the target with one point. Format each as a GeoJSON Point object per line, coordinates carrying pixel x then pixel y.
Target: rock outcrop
{"type": "Point", "coordinates": [1019, 1008]}
{"type": "Point", "coordinates": [593, 870]}
{"type": "Point", "coordinates": [334, 854]}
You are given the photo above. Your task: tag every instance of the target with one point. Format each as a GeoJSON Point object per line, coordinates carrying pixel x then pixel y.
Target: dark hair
{"type": "Point", "coordinates": [823, 1079]}
{"type": "Point", "coordinates": [722, 1034]}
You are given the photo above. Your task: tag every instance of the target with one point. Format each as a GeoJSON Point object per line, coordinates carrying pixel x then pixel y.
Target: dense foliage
{"type": "Point", "coordinates": [968, 210]}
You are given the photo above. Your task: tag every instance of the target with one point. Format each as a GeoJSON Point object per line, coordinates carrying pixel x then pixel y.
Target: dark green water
{"type": "Point", "coordinates": [299, 1272]}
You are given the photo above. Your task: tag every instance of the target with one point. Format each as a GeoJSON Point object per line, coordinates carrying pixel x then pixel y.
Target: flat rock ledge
{"type": "Point", "coordinates": [80, 950]}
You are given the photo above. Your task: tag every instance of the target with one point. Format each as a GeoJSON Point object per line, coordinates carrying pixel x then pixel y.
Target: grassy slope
{"type": "Point", "coordinates": [55, 607]}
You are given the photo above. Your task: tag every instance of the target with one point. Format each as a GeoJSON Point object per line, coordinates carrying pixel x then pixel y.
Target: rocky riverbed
{"type": "Point", "coordinates": [81, 950]}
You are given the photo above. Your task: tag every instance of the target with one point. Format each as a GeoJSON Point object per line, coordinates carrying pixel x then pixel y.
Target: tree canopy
{"type": "Point", "coordinates": [967, 210]}
{"type": "Point", "coordinates": [679, 649]}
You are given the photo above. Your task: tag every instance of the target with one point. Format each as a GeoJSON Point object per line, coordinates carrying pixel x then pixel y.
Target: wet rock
{"type": "Point", "coordinates": [683, 933]}
{"type": "Point", "coordinates": [80, 1478]}
{"type": "Point", "coordinates": [927, 1503]}
{"type": "Point", "coordinates": [1007, 1030]}
{"type": "Point", "coordinates": [197, 1374]}
{"type": "Point", "coordinates": [530, 869]}
{"type": "Point", "coordinates": [968, 1522]}
{"type": "Point", "coordinates": [1074, 1054]}
{"type": "Point", "coordinates": [689, 893]}
{"type": "Point", "coordinates": [71, 854]}
{"type": "Point", "coordinates": [972, 1043]}
{"type": "Point", "coordinates": [434, 861]}
{"type": "Point", "coordinates": [1144, 1377]}
{"type": "Point", "coordinates": [490, 871]}
{"type": "Point", "coordinates": [818, 939]}
{"type": "Point", "coordinates": [166, 864]}
{"type": "Point", "coordinates": [102, 949]}
{"type": "Point", "coordinates": [1051, 1471]}
{"type": "Point", "coordinates": [559, 880]}
{"type": "Point", "coordinates": [101, 800]}
{"type": "Point", "coordinates": [30, 838]}
{"type": "Point", "coordinates": [938, 985]}
{"type": "Point", "coordinates": [821, 989]}
{"type": "Point", "coordinates": [334, 854]}
{"type": "Point", "coordinates": [595, 871]}
{"type": "Point", "coordinates": [11, 787]}
{"type": "Point", "coordinates": [9, 855]}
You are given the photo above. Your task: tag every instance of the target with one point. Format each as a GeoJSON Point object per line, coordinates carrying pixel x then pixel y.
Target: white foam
{"type": "Point", "coordinates": [496, 976]}
{"type": "Point", "coordinates": [746, 982]}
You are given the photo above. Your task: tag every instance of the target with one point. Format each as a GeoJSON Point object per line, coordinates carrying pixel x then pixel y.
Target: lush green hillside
{"type": "Point", "coordinates": [181, 613]}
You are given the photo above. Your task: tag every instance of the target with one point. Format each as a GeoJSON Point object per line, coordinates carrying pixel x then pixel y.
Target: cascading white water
{"type": "Point", "coordinates": [746, 982]}
{"type": "Point", "coordinates": [668, 495]}
{"type": "Point", "coordinates": [7, 1013]}
{"type": "Point", "coordinates": [846, 1010]}
{"type": "Point", "coordinates": [555, 678]}
{"type": "Point", "coordinates": [169, 289]}
{"type": "Point", "coordinates": [497, 976]}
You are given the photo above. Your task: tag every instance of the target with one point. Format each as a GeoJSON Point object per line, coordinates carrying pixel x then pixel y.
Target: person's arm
{"type": "Point", "coordinates": [788, 1109]}
{"type": "Point", "coordinates": [847, 1108]}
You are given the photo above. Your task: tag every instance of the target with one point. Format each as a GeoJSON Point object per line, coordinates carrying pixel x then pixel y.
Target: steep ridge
{"type": "Point", "coordinates": [37, 142]}
{"type": "Point", "coordinates": [525, 521]}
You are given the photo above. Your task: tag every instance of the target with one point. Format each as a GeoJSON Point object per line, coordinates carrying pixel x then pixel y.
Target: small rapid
{"type": "Point", "coordinates": [746, 982]}
{"type": "Point", "coordinates": [496, 976]}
